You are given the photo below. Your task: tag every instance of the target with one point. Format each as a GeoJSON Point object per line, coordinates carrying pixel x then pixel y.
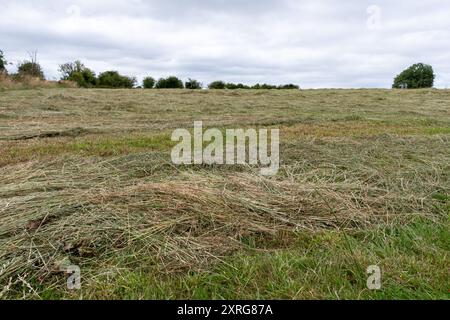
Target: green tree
{"type": "Point", "coordinates": [77, 72]}
{"type": "Point", "coordinates": [229, 86]}
{"type": "Point", "coordinates": [417, 76]}
{"type": "Point", "coordinates": [3, 63]}
{"type": "Point", "coordinates": [234, 86]}
{"type": "Point", "coordinates": [193, 84]}
{"type": "Point", "coordinates": [112, 79]}
{"type": "Point", "coordinates": [148, 83]}
{"type": "Point", "coordinates": [169, 83]}
{"type": "Point", "coordinates": [217, 85]}
{"type": "Point", "coordinates": [289, 87]}
{"type": "Point", "coordinates": [31, 69]}
{"type": "Point", "coordinates": [67, 69]}
{"type": "Point", "coordinates": [266, 86]}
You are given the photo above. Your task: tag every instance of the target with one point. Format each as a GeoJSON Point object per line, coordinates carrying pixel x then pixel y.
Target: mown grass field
{"type": "Point", "coordinates": [86, 179]}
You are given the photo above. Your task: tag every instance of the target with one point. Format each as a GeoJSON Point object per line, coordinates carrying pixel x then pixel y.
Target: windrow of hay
{"type": "Point", "coordinates": [86, 210]}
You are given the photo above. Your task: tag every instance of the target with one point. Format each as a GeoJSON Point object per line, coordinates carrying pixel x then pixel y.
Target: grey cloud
{"type": "Point", "coordinates": [312, 43]}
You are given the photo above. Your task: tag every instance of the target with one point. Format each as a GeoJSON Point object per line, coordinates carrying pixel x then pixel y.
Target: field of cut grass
{"type": "Point", "coordinates": [86, 179]}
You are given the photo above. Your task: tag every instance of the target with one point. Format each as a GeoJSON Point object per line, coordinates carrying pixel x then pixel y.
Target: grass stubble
{"type": "Point", "coordinates": [86, 179]}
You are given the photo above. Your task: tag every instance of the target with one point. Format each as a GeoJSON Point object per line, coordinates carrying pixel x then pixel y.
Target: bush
{"type": "Point", "coordinates": [112, 79]}
{"type": "Point", "coordinates": [417, 76]}
{"type": "Point", "coordinates": [148, 83]}
{"type": "Point", "coordinates": [264, 86]}
{"type": "Point", "coordinates": [30, 69]}
{"type": "Point", "coordinates": [217, 85]}
{"type": "Point", "coordinates": [193, 84]}
{"type": "Point", "coordinates": [169, 83]}
{"type": "Point", "coordinates": [84, 79]}
{"type": "Point", "coordinates": [233, 86]}
{"type": "Point", "coordinates": [242, 86]}
{"type": "Point", "coordinates": [3, 63]}
{"type": "Point", "coordinates": [70, 68]}
{"type": "Point", "coordinates": [77, 72]}
{"type": "Point", "coordinates": [289, 87]}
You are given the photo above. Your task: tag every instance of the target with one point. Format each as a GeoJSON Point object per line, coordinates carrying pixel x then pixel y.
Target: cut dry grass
{"type": "Point", "coordinates": [107, 197]}
{"type": "Point", "coordinates": [8, 83]}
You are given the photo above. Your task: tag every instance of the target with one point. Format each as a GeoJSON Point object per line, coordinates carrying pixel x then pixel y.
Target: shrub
{"type": "Point", "coordinates": [3, 63]}
{"type": "Point", "coordinates": [264, 86]}
{"type": "Point", "coordinates": [112, 79]}
{"type": "Point", "coordinates": [233, 86]}
{"type": "Point", "coordinates": [77, 72]}
{"type": "Point", "coordinates": [289, 87]}
{"type": "Point", "coordinates": [84, 79]}
{"type": "Point", "coordinates": [30, 69]}
{"type": "Point", "coordinates": [230, 86]}
{"type": "Point", "coordinates": [417, 76]}
{"type": "Point", "coordinates": [169, 83]}
{"type": "Point", "coordinates": [67, 69]}
{"type": "Point", "coordinates": [148, 83]}
{"type": "Point", "coordinates": [217, 85]}
{"type": "Point", "coordinates": [193, 84]}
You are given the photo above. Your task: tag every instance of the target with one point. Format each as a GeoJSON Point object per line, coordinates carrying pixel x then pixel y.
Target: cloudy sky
{"type": "Point", "coordinates": [313, 43]}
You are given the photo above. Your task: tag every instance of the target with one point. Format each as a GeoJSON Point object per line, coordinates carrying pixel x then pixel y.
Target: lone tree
{"type": "Point", "coordinates": [193, 84]}
{"type": "Point", "coordinates": [77, 72]}
{"type": "Point", "coordinates": [170, 83]}
{"type": "Point", "coordinates": [148, 83]}
{"type": "Point", "coordinates": [415, 77]}
{"type": "Point", "coordinates": [113, 79]}
{"type": "Point", "coordinates": [31, 68]}
{"type": "Point", "coordinates": [217, 85]}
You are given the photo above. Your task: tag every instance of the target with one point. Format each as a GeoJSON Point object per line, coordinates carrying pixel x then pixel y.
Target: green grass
{"type": "Point", "coordinates": [86, 177]}
{"type": "Point", "coordinates": [102, 146]}
{"type": "Point", "coordinates": [413, 260]}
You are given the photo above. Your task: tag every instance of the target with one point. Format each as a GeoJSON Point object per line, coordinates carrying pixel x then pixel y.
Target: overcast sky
{"type": "Point", "coordinates": [312, 43]}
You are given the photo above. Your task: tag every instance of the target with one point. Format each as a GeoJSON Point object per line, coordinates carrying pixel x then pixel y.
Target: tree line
{"type": "Point", "coordinates": [85, 77]}
{"type": "Point", "coordinates": [417, 76]}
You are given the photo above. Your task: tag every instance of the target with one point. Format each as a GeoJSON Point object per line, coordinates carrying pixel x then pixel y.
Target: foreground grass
{"type": "Point", "coordinates": [327, 265]}
{"type": "Point", "coordinates": [86, 179]}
